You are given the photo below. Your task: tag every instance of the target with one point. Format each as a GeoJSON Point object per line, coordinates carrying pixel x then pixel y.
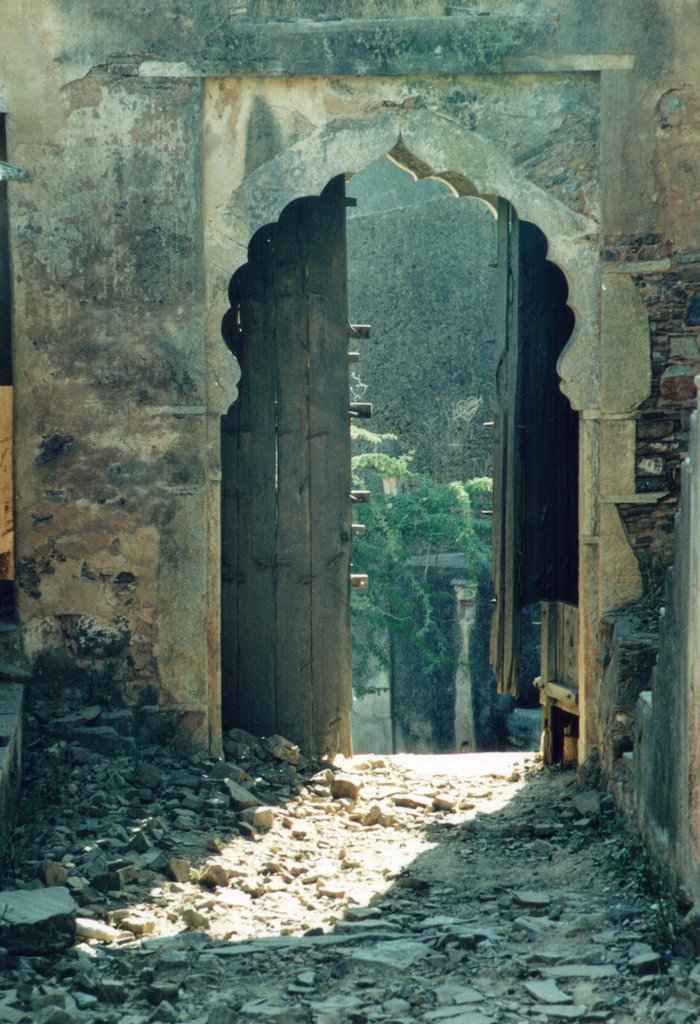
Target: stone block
{"type": "Point", "coordinates": [625, 348]}
{"type": "Point", "coordinates": [678, 384]}
{"type": "Point", "coordinates": [621, 583]}
{"type": "Point", "coordinates": [617, 456]}
{"type": "Point", "coordinates": [37, 922]}
{"type": "Point", "coordinates": [103, 740]}
{"type": "Point", "coordinates": [240, 798]}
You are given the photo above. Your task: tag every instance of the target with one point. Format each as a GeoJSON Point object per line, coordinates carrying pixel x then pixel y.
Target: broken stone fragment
{"type": "Point", "coordinates": [588, 971]}
{"type": "Point", "coordinates": [138, 924]}
{"type": "Point", "coordinates": [121, 720]}
{"type": "Point", "coordinates": [226, 770]}
{"type": "Point", "coordinates": [270, 1009]}
{"type": "Point", "coordinates": [163, 990]}
{"type": "Point", "coordinates": [239, 797]}
{"type": "Point", "coordinates": [372, 816]}
{"type": "Point", "coordinates": [194, 918]}
{"type": "Point", "coordinates": [139, 842]}
{"type": "Point", "coordinates": [362, 913]}
{"type": "Point", "coordinates": [52, 873]}
{"type": "Point", "coordinates": [103, 740]}
{"type": "Point", "coordinates": [242, 745]}
{"type": "Point", "coordinates": [547, 992]}
{"type": "Point", "coordinates": [454, 993]}
{"type": "Point", "coordinates": [413, 882]}
{"type": "Point", "coordinates": [587, 804]}
{"type": "Point", "coordinates": [223, 1013]}
{"type": "Point", "coordinates": [53, 1015]}
{"type": "Point", "coordinates": [149, 775]}
{"type": "Point", "coordinates": [415, 801]}
{"type": "Point", "coordinates": [261, 818]}
{"type": "Point", "coordinates": [36, 922]}
{"type": "Point", "coordinates": [213, 875]}
{"type": "Point", "coordinates": [534, 900]}
{"type": "Point", "coordinates": [345, 787]}
{"type": "Point", "coordinates": [332, 890]}
{"type": "Point", "coordinates": [87, 928]}
{"type": "Point", "coordinates": [282, 749]}
{"type": "Point", "coordinates": [441, 803]}
{"type": "Point", "coordinates": [398, 953]}
{"type": "Point", "coordinates": [645, 963]}
{"type": "Point", "coordinates": [113, 991]}
{"type": "Point", "coordinates": [563, 1011]}
{"type": "Point", "coordinates": [178, 869]}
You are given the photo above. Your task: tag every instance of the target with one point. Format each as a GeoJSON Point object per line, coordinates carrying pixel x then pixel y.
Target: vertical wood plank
{"type": "Point", "coordinates": [287, 474]}
{"type": "Point", "coordinates": [232, 331]}
{"type": "Point", "coordinates": [256, 494]}
{"type": "Point", "coordinates": [500, 484]}
{"type": "Point", "coordinates": [509, 682]}
{"type": "Point", "coordinates": [329, 459]}
{"type": "Point", "coordinates": [292, 639]}
{"type": "Point", "coordinates": [545, 674]}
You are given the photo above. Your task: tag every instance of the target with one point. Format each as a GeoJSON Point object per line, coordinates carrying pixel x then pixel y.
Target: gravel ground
{"type": "Point", "coordinates": [466, 889]}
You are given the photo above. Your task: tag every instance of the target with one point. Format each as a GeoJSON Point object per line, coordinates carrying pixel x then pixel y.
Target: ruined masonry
{"type": "Point", "coordinates": [166, 169]}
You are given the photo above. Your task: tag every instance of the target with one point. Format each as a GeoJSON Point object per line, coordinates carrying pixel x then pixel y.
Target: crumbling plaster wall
{"type": "Point", "coordinates": [158, 141]}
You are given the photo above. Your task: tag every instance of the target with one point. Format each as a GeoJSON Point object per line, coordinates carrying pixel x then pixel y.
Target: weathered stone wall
{"type": "Point", "coordinates": [158, 142]}
{"type": "Point", "coordinates": [109, 371]}
{"type": "Point", "coordinates": [668, 284]}
{"type": "Point", "coordinates": [662, 769]}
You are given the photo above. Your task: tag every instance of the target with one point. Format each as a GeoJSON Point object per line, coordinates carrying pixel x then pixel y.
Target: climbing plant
{"type": "Point", "coordinates": [410, 520]}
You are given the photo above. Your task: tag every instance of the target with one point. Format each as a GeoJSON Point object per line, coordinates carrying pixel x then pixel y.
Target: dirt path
{"type": "Point", "coordinates": [460, 889]}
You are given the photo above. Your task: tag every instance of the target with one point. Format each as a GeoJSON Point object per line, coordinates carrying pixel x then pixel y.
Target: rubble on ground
{"type": "Point", "coordinates": [266, 887]}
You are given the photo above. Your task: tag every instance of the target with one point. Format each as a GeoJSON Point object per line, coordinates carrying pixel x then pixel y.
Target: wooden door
{"type": "Point", "coordinates": [535, 538]}
{"type": "Point", "coordinates": [286, 656]}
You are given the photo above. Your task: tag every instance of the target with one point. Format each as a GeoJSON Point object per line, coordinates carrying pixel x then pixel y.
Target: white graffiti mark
{"type": "Point", "coordinates": [467, 409]}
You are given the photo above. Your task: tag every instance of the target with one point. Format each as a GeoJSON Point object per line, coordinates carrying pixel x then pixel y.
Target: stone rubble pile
{"type": "Point", "coordinates": [263, 887]}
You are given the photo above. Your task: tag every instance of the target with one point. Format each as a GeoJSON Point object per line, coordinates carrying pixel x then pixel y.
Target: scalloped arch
{"type": "Point", "coordinates": [430, 145]}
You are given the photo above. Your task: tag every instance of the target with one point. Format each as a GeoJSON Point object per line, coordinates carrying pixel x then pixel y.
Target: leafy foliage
{"type": "Point", "coordinates": [410, 521]}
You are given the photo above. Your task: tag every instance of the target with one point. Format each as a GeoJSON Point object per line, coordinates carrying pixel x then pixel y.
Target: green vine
{"type": "Point", "coordinates": [411, 519]}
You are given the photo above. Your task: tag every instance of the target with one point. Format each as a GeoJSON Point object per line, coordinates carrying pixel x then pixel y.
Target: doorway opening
{"type": "Point", "coordinates": [287, 491]}
{"type": "Point", "coordinates": [424, 268]}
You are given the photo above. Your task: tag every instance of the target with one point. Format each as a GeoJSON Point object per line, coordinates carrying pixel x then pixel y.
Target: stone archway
{"type": "Point", "coordinates": [426, 144]}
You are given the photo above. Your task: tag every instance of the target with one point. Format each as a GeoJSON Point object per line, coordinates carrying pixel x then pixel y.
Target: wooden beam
{"type": "Point", "coordinates": [361, 410]}
{"type": "Point", "coordinates": [359, 331]}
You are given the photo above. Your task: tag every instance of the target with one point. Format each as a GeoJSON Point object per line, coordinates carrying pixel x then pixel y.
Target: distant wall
{"type": "Point", "coordinates": [422, 273]}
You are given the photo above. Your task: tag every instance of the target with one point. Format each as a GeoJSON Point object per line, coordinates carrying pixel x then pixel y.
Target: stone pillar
{"type": "Point", "coordinates": [465, 730]}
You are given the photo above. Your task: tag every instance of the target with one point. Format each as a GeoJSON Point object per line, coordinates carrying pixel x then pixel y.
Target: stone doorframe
{"type": "Point", "coordinates": [318, 129]}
